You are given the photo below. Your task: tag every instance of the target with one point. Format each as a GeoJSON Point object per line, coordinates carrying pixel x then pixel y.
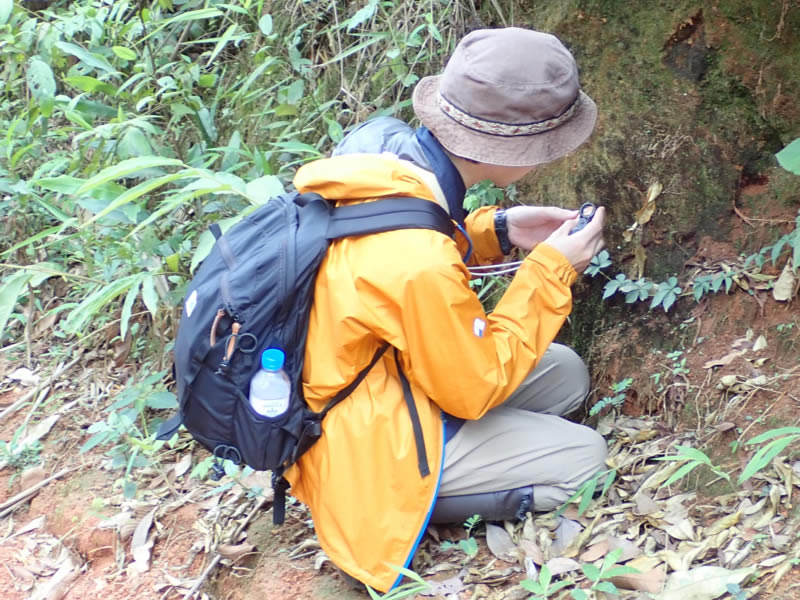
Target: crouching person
{"type": "Point", "coordinates": [461, 411]}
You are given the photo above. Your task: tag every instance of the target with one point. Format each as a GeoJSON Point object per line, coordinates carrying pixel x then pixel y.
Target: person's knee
{"type": "Point", "coordinates": [591, 457]}
{"type": "Point", "coordinates": [575, 374]}
{"type": "Point", "coordinates": [595, 451]}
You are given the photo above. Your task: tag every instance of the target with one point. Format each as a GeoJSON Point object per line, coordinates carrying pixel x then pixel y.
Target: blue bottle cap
{"type": "Point", "coordinates": [272, 359]}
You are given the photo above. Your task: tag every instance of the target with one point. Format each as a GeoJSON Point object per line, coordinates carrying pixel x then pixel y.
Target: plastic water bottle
{"type": "Point", "coordinates": [270, 388]}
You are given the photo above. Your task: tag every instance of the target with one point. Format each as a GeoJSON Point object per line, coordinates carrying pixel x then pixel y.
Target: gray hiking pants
{"type": "Point", "coordinates": [524, 443]}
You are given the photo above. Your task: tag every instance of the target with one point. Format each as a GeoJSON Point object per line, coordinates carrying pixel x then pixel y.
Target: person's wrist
{"type": "Point", "coordinates": [501, 230]}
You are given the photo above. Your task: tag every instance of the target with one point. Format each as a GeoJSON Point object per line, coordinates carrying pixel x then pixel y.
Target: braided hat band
{"type": "Point", "coordinates": [505, 129]}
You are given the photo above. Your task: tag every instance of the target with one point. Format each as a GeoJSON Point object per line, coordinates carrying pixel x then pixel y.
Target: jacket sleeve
{"type": "Point", "coordinates": [480, 228]}
{"type": "Point", "coordinates": [466, 361]}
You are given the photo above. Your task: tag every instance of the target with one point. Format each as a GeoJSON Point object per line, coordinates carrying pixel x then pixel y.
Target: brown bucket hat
{"type": "Point", "coordinates": [507, 97]}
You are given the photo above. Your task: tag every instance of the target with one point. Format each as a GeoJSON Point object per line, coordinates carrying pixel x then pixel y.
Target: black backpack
{"type": "Point", "coordinates": [254, 291]}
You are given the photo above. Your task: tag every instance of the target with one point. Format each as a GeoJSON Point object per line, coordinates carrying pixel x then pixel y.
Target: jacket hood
{"type": "Point", "coordinates": [362, 176]}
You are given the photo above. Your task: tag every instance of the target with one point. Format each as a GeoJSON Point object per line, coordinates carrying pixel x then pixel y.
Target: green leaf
{"type": "Point", "coordinates": [789, 157]}
{"type": "Point", "coordinates": [335, 131]}
{"type": "Point", "coordinates": [260, 190]}
{"type": "Point", "coordinates": [298, 147]}
{"type": "Point", "coordinates": [91, 306]}
{"type": "Point", "coordinates": [294, 92]}
{"type": "Point", "coordinates": [605, 586]}
{"type": "Point", "coordinates": [620, 570]}
{"type": "Point", "coordinates": [129, 489]}
{"type": "Point", "coordinates": [469, 546]}
{"type": "Point", "coordinates": [96, 61]}
{"type": "Point", "coordinates": [207, 80]}
{"type": "Point", "coordinates": [765, 455]}
{"type": "Point", "coordinates": [13, 286]}
{"type": "Point", "coordinates": [127, 308]}
{"type": "Point", "coordinates": [532, 586]}
{"type": "Point", "coordinates": [90, 85]}
{"type": "Point", "coordinates": [773, 433]}
{"type": "Point", "coordinates": [206, 240]}
{"type": "Point", "coordinates": [362, 15]}
{"type": "Point", "coordinates": [42, 84]}
{"type": "Point", "coordinates": [162, 401]}
{"type": "Point", "coordinates": [223, 41]}
{"type": "Point", "coordinates": [126, 168]}
{"type": "Point", "coordinates": [591, 571]}
{"type": "Point", "coordinates": [265, 24]}
{"type": "Point", "coordinates": [124, 53]}
{"type": "Point", "coordinates": [149, 294]}
{"type": "Point", "coordinates": [95, 440]}
{"type": "Point", "coordinates": [588, 493]}
{"type": "Point", "coordinates": [683, 471]}
{"type": "Point", "coordinates": [693, 453]}
{"type": "Point", "coordinates": [6, 6]}
{"type": "Point", "coordinates": [578, 594]}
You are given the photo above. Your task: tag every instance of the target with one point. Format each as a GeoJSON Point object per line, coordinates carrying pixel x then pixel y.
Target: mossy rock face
{"type": "Point", "coordinates": [695, 96]}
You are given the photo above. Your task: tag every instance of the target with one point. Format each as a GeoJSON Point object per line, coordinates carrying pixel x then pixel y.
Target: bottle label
{"type": "Point", "coordinates": [270, 408]}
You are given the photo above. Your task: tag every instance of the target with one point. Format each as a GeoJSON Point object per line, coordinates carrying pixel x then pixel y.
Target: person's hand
{"type": "Point", "coordinates": [529, 225]}
{"type": "Point", "coordinates": [580, 247]}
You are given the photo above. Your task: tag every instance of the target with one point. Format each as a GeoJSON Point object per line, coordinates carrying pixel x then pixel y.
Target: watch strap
{"type": "Point", "coordinates": [501, 230]}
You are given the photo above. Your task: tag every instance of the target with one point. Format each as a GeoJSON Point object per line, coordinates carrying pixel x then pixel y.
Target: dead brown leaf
{"type": "Point", "coordinates": [786, 285]}
{"type": "Point", "coordinates": [651, 581]}
{"type": "Point", "coordinates": [724, 361]}
{"type": "Point", "coordinates": [235, 551]}
{"type": "Point", "coordinates": [595, 551]}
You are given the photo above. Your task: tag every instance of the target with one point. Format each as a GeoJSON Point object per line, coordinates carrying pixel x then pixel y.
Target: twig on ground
{"type": "Point", "coordinates": [218, 557]}
{"type": "Point", "coordinates": [59, 370]}
{"type": "Point", "coordinates": [11, 504]}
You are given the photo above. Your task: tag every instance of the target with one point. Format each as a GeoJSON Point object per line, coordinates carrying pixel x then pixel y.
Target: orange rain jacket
{"type": "Point", "coordinates": [369, 503]}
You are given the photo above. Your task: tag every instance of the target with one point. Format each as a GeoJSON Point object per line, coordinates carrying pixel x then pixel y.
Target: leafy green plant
{"type": "Point", "coordinates": [543, 587]}
{"type": "Point", "coordinates": [485, 193]}
{"type": "Point", "coordinates": [127, 427]}
{"type": "Point", "coordinates": [468, 546]}
{"type": "Point", "coordinates": [773, 442]}
{"type": "Point", "coordinates": [618, 389]}
{"type": "Point", "coordinates": [789, 157]}
{"type": "Point", "coordinates": [599, 576]}
{"type": "Point", "coordinates": [693, 458]}
{"type": "Point", "coordinates": [416, 586]}
{"type": "Point", "coordinates": [587, 490]}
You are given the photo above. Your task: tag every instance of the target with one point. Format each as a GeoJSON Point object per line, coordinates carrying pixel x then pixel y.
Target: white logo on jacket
{"type": "Point", "coordinates": [478, 327]}
{"type": "Point", "coordinates": [191, 302]}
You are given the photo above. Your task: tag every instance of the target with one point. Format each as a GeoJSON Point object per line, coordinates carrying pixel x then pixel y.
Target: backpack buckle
{"type": "Point", "coordinates": [222, 453]}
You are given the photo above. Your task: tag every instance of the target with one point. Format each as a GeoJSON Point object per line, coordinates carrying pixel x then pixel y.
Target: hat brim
{"type": "Point", "coordinates": [508, 151]}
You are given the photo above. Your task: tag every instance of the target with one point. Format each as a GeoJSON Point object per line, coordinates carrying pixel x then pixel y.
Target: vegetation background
{"type": "Point", "coordinates": [129, 127]}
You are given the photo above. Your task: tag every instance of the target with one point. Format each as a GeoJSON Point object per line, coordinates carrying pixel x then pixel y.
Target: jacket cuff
{"type": "Point", "coordinates": [480, 227]}
{"type": "Point", "coordinates": [556, 262]}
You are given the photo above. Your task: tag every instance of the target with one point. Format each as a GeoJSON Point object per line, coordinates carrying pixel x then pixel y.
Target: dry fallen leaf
{"type": "Point", "coordinates": [645, 505]}
{"type": "Point", "coordinates": [785, 286]}
{"type": "Point", "coordinates": [500, 543]}
{"type": "Point", "coordinates": [562, 565]}
{"type": "Point", "coordinates": [722, 524]}
{"type": "Point", "coordinates": [595, 551]}
{"type": "Point", "coordinates": [141, 544]}
{"type": "Point", "coordinates": [651, 581]}
{"type": "Point", "coordinates": [24, 376]}
{"type": "Point", "coordinates": [566, 531]}
{"type": "Point", "coordinates": [760, 343]}
{"type": "Point", "coordinates": [724, 361]}
{"type": "Point", "coordinates": [445, 588]}
{"type": "Point", "coordinates": [183, 465]}
{"type": "Point", "coordinates": [702, 583]}
{"type": "Point", "coordinates": [532, 551]}
{"type": "Point", "coordinates": [235, 551]}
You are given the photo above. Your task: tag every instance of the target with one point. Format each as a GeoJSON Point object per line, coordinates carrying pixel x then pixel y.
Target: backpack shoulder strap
{"type": "Point", "coordinates": [388, 214]}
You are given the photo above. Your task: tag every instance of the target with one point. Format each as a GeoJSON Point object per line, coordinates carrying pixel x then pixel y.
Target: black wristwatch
{"type": "Point", "coordinates": [501, 230]}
